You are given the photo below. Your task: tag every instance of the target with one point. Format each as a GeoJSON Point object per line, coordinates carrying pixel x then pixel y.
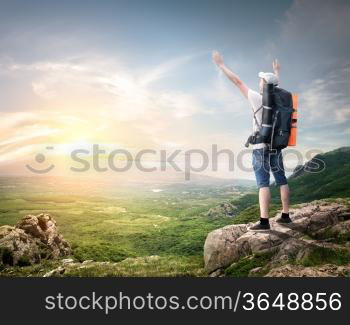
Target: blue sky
{"type": "Point", "coordinates": [139, 73]}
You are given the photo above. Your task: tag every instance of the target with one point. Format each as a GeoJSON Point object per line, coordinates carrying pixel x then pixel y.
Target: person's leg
{"type": "Point", "coordinates": [277, 169]}
{"type": "Point", "coordinates": [261, 168]}
{"type": "Point", "coordinates": [284, 191]}
{"type": "Point", "coordinates": [264, 201]}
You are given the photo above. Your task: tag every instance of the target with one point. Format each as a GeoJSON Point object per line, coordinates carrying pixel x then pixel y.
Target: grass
{"type": "Point", "coordinates": [252, 213]}
{"type": "Point", "coordinates": [125, 227]}
{"type": "Point", "coordinates": [99, 252]}
{"type": "Point", "coordinates": [245, 265]}
{"type": "Point", "coordinates": [116, 225]}
{"type": "Point", "coordinates": [151, 266]}
{"type": "Point", "coordinates": [333, 237]}
{"type": "Point", "coordinates": [323, 255]}
{"type": "Point", "coordinates": [35, 270]}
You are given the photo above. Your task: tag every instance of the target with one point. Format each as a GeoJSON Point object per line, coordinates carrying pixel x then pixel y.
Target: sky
{"type": "Point", "coordinates": [138, 75]}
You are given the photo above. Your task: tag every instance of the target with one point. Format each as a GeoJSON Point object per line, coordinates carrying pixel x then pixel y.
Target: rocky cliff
{"type": "Point", "coordinates": [31, 240]}
{"type": "Point", "coordinates": [319, 234]}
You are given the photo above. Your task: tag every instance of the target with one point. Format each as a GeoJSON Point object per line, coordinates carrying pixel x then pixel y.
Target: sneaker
{"type": "Point", "coordinates": [284, 220]}
{"type": "Point", "coordinates": [260, 227]}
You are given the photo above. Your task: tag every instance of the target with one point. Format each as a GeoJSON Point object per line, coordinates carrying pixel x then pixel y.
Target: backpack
{"type": "Point", "coordinates": [276, 134]}
{"type": "Point", "coordinates": [281, 119]}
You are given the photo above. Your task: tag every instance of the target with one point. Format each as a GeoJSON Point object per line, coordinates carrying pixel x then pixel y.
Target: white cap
{"type": "Point", "coordinates": [269, 77]}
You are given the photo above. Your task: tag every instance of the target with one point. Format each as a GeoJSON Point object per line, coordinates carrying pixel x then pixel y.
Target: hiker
{"type": "Point", "coordinates": [264, 159]}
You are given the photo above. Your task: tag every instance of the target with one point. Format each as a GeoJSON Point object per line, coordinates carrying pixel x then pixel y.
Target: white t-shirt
{"type": "Point", "coordinates": [255, 101]}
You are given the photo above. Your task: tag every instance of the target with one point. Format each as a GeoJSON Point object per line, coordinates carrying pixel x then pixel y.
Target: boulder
{"type": "Point", "coordinates": [221, 247]}
{"type": "Point", "coordinates": [289, 249]}
{"type": "Point", "coordinates": [33, 238]}
{"type": "Point", "coordinates": [44, 228]}
{"type": "Point", "coordinates": [229, 244]}
{"type": "Point", "coordinates": [17, 247]}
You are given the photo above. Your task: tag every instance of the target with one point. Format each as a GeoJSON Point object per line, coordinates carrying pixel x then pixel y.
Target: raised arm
{"type": "Point", "coordinates": [276, 67]}
{"type": "Point", "coordinates": [230, 74]}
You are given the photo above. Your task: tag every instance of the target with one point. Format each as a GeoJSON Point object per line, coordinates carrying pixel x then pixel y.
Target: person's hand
{"type": "Point", "coordinates": [217, 58]}
{"type": "Point", "coordinates": [276, 66]}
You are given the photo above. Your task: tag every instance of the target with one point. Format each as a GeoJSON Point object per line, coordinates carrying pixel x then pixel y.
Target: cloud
{"type": "Point", "coordinates": [162, 70]}
{"type": "Point", "coordinates": [325, 100]}
{"type": "Point", "coordinates": [312, 40]}
{"type": "Point", "coordinates": [343, 115]}
{"type": "Point", "coordinates": [313, 47]}
{"type": "Point", "coordinates": [321, 26]}
{"type": "Point", "coordinates": [230, 98]}
{"type": "Point", "coordinates": [59, 97]}
{"type": "Point", "coordinates": [42, 90]}
{"type": "Point", "coordinates": [94, 101]}
{"type": "Point", "coordinates": [37, 131]}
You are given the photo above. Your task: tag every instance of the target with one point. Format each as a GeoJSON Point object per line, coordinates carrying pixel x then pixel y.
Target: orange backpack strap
{"type": "Point", "coordinates": [293, 131]}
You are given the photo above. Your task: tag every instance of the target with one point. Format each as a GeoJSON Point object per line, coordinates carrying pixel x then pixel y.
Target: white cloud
{"type": "Point", "coordinates": [313, 45]}
{"type": "Point", "coordinates": [43, 90]}
{"type": "Point", "coordinates": [100, 101]}
{"type": "Point", "coordinates": [322, 103]}
{"type": "Point", "coordinates": [162, 70]}
{"type": "Point", "coordinates": [343, 114]}
{"type": "Point", "coordinates": [36, 131]}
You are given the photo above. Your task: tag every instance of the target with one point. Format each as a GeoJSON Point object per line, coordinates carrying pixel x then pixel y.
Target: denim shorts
{"type": "Point", "coordinates": [265, 161]}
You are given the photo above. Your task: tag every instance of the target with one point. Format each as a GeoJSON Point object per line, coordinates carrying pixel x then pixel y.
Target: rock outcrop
{"type": "Point", "coordinates": [31, 240]}
{"type": "Point", "coordinates": [226, 209]}
{"type": "Point", "coordinates": [229, 244]}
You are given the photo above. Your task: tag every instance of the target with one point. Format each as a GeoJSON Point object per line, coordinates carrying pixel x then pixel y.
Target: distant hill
{"type": "Point", "coordinates": [326, 175]}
